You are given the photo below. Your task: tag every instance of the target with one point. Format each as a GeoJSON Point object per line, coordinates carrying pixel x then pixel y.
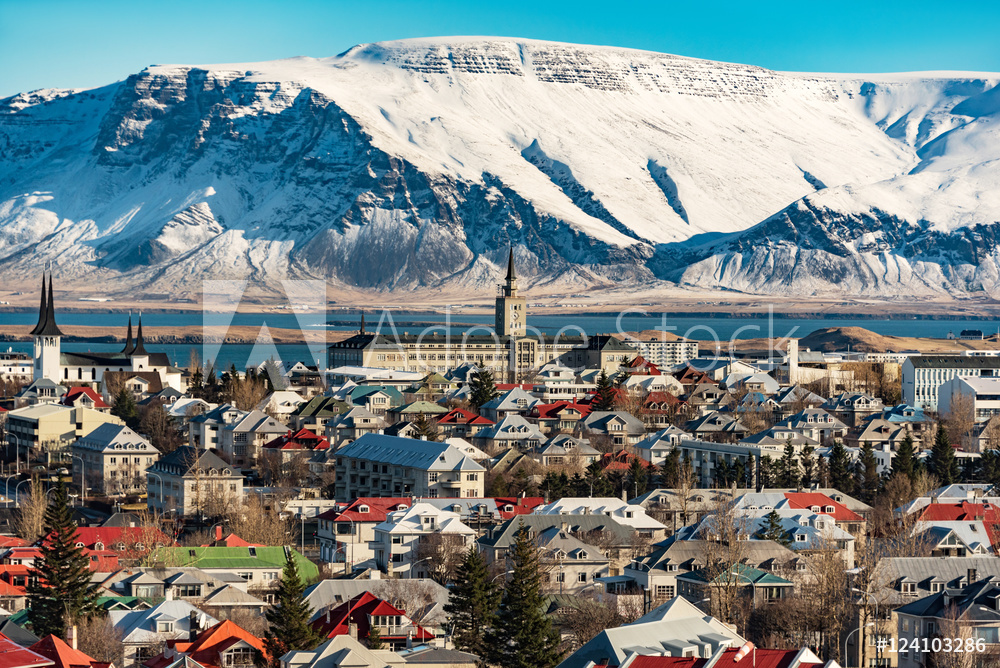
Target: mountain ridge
{"type": "Point", "coordinates": [412, 165]}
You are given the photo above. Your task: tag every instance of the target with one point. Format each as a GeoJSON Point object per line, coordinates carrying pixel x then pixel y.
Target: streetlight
{"type": "Point", "coordinates": [497, 577]}
{"type": "Point", "coordinates": [875, 601]}
{"type": "Point", "coordinates": [161, 485]}
{"type": "Point", "coordinates": [848, 638]}
{"type": "Point", "coordinates": [17, 503]}
{"type": "Point", "coordinates": [417, 562]}
{"type": "Point", "coordinates": [83, 478]}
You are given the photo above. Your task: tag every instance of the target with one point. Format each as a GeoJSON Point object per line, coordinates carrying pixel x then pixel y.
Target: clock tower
{"type": "Point", "coordinates": [511, 310]}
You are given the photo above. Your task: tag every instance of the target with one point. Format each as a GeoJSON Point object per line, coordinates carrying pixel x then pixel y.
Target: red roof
{"type": "Point", "coordinates": [765, 658]}
{"type": "Point", "coordinates": [943, 512]}
{"type": "Point", "coordinates": [520, 505]}
{"type": "Point", "coordinates": [10, 591]}
{"type": "Point", "coordinates": [62, 654]}
{"type": "Point", "coordinates": [462, 416]}
{"type": "Point", "coordinates": [378, 509]}
{"type": "Point", "coordinates": [646, 368]}
{"type": "Point", "coordinates": [506, 387]}
{"type": "Point", "coordinates": [13, 655]}
{"type": "Point", "coordinates": [11, 541]}
{"type": "Point", "coordinates": [552, 411]}
{"type": "Point", "coordinates": [621, 461]}
{"type": "Point", "coordinates": [806, 500]}
{"type": "Point", "coordinates": [692, 376]}
{"type": "Point", "coordinates": [336, 622]}
{"type": "Point", "coordinates": [231, 540]}
{"type": "Point", "coordinates": [303, 439]}
{"type": "Point", "coordinates": [208, 646]}
{"type": "Point", "coordinates": [75, 393]}
{"type": "Point", "coordinates": [110, 537]}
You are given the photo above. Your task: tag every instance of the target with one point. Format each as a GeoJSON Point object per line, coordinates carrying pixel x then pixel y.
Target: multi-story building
{"type": "Point", "coordinates": [412, 537]}
{"type": "Point", "coordinates": [240, 441]}
{"type": "Point", "coordinates": [51, 428]}
{"type": "Point", "coordinates": [666, 353]}
{"type": "Point", "coordinates": [345, 534]}
{"type": "Point", "coordinates": [381, 465]}
{"type": "Point", "coordinates": [982, 395]}
{"type": "Point", "coordinates": [114, 459]}
{"type": "Point", "coordinates": [191, 481]}
{"type": "Point", "coordinates": [923, 375]}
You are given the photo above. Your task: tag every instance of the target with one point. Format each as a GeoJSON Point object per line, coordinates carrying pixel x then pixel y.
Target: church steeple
{"type": "Point", "coordinates": [47, 313]}
{"type": "Point", "coordinates": [511, 276]}
{"type": "Point", "coordinates": [129, 345]}
{"type": "Point", "coordinates": [511, 310]}
{"type": "Point", "coordinates": [41, 310]}
{"type": "Point", "coordinates": [362, 322]}
{"type": "Point", "coordinates": [139, 349]}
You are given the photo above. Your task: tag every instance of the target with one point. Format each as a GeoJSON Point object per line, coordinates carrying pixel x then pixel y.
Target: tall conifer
{"type": "Point", "coordinates": [472, 604]}
{"type": "Point", "coordinates": [289, 616]}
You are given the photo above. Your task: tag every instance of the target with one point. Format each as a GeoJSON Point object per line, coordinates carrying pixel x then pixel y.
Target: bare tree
{"type": "Point", "coordinates": [443, 553]}
{"type": "Point", "coordinates": [29, 522]}
{"type": "Point", "coordinates": [101, 640]}
{"type": "Point", "coordinates": [588, 618]}
{"type": "Point", "coordinates": [961, 419]}
{"type": "Point", "coordinates": [416, 597]}
{"type": "Point", "coordinates": [159, 428]}
{"type": "Point", "coordinates": [255, 523]}
{"type": "Point", "coordinates": [726, 532]}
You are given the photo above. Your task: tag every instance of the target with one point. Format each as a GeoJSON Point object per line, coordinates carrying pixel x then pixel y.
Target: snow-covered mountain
{"type": "Point", "coordinates": [413, 165]}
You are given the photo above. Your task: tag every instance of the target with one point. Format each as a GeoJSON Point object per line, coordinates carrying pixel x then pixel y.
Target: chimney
{"type": "Point", "coordinates": [192, 626]}
{"type": "Point", "coordinates": [218, 532]}
{"type": "Point", "coordinates": [352, 630]}
{"type": "Point", "coordinates": [409, 639]}
{"type": "Point", "coordinates": [971, 575]}
{"type": "Point", "coordinates": [71, 636]}
{"type": "Point", "coordinates": [169, 594]}
{"type": "Point", "coordinates": [327, 614]}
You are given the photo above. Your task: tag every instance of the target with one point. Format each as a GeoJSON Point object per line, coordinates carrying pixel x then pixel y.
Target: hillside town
{"type": "Point", "coordinates": [499, 499]}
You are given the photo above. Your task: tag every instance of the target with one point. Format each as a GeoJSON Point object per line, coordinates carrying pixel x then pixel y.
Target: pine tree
{"type": "Point", "coordinates": [472, 604]}
{"type": "Point", "coordinates": [482, 388]}
{"type": "Point", "coordinates": [840, 469]}
{"type": "Point", "coordinates": [604, 396]}
{"type": "Point", "coordinates": [866, 473]}
{"type": "Point", "coordinates": [425, 429]}
{"type": "Point", "coordinates": [60, 592]}
{"type": "Point", "coordinates": [772, 530]}
{"type": "Point", "coordinates": [788, 468]}
{"type": "Point", "coordinates": [904, 461]}
{"type": "Point", "coordinates": [638, 477]}
{"type": "Point", "coordinates": [808, 466]}
{"type": "Point", "coordinates": [125, 408]}
{"type": "Point", "coordinates": [523, 636]}
{"type": "Point", "coordinates": [942, 462]}
{"type": "Point", "coordinates": [823, 471]}
{"type": "Point", "coordinates": [289, 616]}
{"type": "Point", "coordinates": [766, 473]}
{"type": "Point", "coordinates": [375, 638]}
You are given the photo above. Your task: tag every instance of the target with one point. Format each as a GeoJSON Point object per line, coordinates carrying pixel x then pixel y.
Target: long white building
{"type": "Point", "coordinates": [923, 375]}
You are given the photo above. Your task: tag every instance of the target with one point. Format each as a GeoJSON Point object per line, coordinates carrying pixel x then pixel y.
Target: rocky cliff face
{"type": "Point", "coordinates": [413, 165]}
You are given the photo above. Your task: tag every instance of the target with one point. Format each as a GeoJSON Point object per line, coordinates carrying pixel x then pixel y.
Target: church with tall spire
{"type": "Point", "coordinates": [89, 368]}
{"type": "Point", "coordinates": [511, 310]}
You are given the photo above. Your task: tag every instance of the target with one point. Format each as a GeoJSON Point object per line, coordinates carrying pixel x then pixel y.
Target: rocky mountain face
{"type": "Point", "coordinates": [413, 165]}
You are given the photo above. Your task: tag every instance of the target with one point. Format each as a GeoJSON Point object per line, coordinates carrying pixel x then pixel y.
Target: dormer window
{"type": "Point", "coordinates": [829, 509]}
{"type": "Point", "coordinates": [364, 509]}
{"type": "Point", "coordinates": [800, 538]}
{"type": "Point", "coordinates": [164, 627]}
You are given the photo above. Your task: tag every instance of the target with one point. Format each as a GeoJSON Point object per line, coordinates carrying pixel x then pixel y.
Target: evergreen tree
{"type": "Point", "coordinates": [866, 473]}
{"type": "Point", "coordinates": [788, 468]}
{"type": "Point", "coordinates": [375, 638]}
{"type": "Point", "coordinates": [289, 617]}
{"type": "Point", "coordinates": [766, 472]}
{"type": "Point", "coordinates": [823, 472]}
{"type": "Point", "coordinates": [638, 477]}
{"type": "Point", "coordinates": [482, 388]}
{"type": "Point", "coordinates": [771, 530]}
{"type": "Point", "coordinates": [723, 474]}
{"type": "Point", "coordinates": [60, 592]}
{"type": "Point", "coordinates": [125, 408]}
{"type": "Point", "coordinates": [840, 469]}
{"type": "Point", "coordinates": [943, 463]}
{"type": "Point", "coordinates": [990, 466]}
{"type": "Point", "coordinates": [808, 465]}
{"type": "Point", "coordinates": [604, 396]}
{"type": "Point", "coordinates": [523, 636]}
{"type": "Point", "coordinates": [425, 429]}
{"type": "Point", "coordinates": [670, 471]}
{"type": "Point", "coordinates": [905, 460]}
{"type": "Point", "coordinates": [472, 604]}
{"type": "Point", "coordinates": [971, 470]}
{"type": "Point", "coordinates": [195, 386]}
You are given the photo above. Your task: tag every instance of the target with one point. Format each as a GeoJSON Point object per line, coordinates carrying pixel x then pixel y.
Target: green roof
{"type": "Point", "coordinates": [745, 573]}
{"type": "Point", "coordinates": [233, 558]}
{"type": "Point", "coordinates": [420, 407]}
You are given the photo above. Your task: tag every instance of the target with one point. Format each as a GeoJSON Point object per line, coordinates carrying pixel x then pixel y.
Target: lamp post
{"type": "Point", "coordinates": [17, 504]}
{"type": "Point", "coordinates": [848, 638]}
{"type": "Point", "coordinates": [353, 536]}
{"type": "Point", "coordinates": [148, 473]}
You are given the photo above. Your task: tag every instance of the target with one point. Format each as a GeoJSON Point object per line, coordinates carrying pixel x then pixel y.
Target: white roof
{"type": "Point", "coordinates": [609, 506]}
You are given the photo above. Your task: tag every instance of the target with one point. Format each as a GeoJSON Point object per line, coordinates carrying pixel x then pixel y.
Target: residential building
{"type": "Point", "coordinates": [421, 533]}
{"type": "Point", "coordinates": [760, 586]}
{"type": "Point", "coordinates": [675, 628]}
{"type": "Point", "coordinates": [258, 566]}
{"type": "Point", "coordinates": [290, 445]}
{"type": "Point", "coordinates": [240, 441]}
{"type": "Point", "coordinates": [512, 431]}
{"type": "Point", "coordinates": [345, 534]}
{"type": "Point", "coordinates": [114, 459]}
{"type": "Point", "coordinates": [223, 645]}
{"type": "Point", "coordinates": [189, 481]}
{"type": "Point", "coordinates": [352, 425]}
{"type": "Point", "coordinates": [144, 632]}
{"type": "Point", "coordinates": [203, 429]}
{"type": "Point", "coordinates": [665, 352]}
{"type": "Point", "coordinates": [462, 423]}
{"type": "Point", "coordinates": [656, 447]}
{"type": "Point", "coordinates": [620, 428]}
{"type": "Point", "coordinates": [716, 426]}
{"type": "Point", "coordinates": [335, 651]}
{"type": "Point", "coordinates": [366, 611]}
{"type": "Point", "coordinates": [569, 565]}
{"type": "Point", "coordinates": [853, 408]}
{"type": "Point", "coordinates": [565, 450]}
{"type": "Point", "coordinates": [981, 396]}
{"type": "Point", "coordinates": [624, 513]}
{"type": "Point", "coordinates": [380, 465]}
{"type": "Point", "coordinates": [923, 375]}
{"type": "Point", "coordinates": [315, 413]}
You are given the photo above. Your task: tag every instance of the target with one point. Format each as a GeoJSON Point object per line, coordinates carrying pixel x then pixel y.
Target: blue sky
{"type": "Point", "coordinates": [74, 43]}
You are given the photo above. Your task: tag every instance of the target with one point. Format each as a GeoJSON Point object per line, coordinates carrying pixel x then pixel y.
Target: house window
{"type": "Point", "coordinates": [664, 591]}
{"type": "Point", "coordinates": [164, 627]}
{"type": "Point", "coordinates": [189, 591]}
{"type": "Point", "coordinates": [581, 577]}
{"type": "Point", "coordinates": [238, 656]}
{"type": "Point", "coordinates": [248, 576]}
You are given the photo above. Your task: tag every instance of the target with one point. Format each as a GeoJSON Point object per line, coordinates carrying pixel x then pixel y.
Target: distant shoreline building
{"type": "Point", "coordinates": [511, 348]}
